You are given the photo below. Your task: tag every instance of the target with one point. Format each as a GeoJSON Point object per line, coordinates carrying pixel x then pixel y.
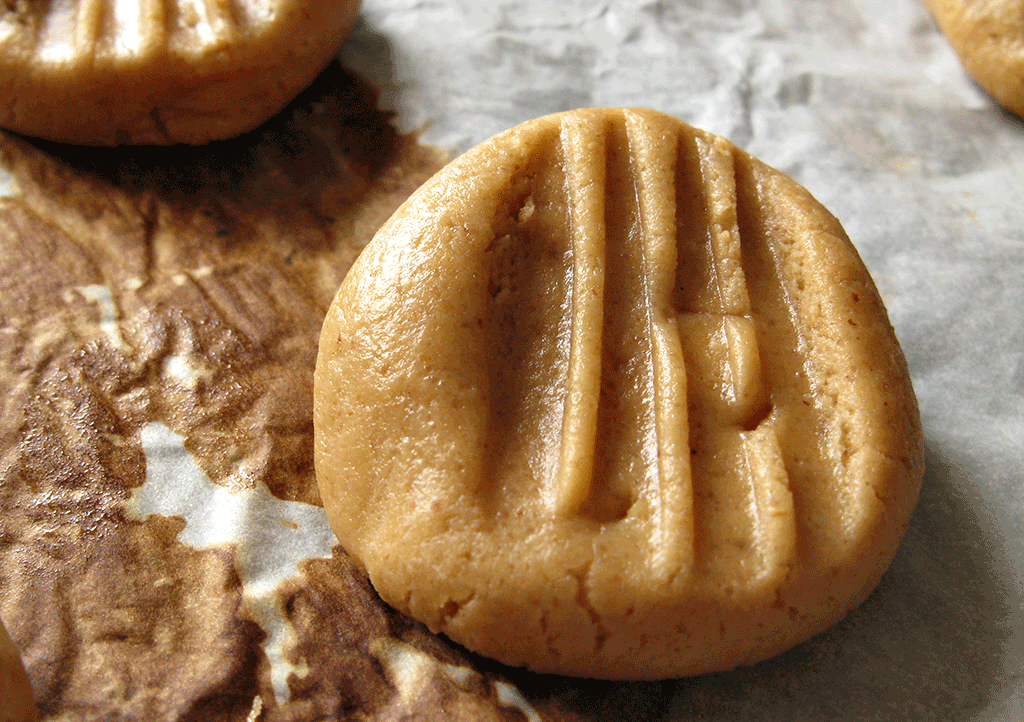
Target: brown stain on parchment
{"type": "Point", "coordinates": [219, 263]}
{"type": "Point", "coordinates": [224, 256]}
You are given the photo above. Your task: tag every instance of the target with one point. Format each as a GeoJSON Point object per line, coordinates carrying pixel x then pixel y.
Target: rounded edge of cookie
{"type": "Point", "coordinates": [988, 45]}
{"type": "Point", "coordinates": [720, 635]}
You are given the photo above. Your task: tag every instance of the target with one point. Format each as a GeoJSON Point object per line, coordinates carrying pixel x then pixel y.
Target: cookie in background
{"type": "Point", "coordinates": [98, 72]}
{"type": "Point", "coordinates": [989, 38]}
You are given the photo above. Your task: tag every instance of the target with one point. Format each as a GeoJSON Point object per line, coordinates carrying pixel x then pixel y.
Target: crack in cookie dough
{"type": "Point", "coordinates": [583, 600]}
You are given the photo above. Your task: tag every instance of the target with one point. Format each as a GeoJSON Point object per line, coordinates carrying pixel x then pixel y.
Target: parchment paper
{"type": "Point", "coordinates": [861, 101]}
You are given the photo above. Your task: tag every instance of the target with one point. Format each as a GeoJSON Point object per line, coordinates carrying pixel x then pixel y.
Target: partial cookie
{"type": "Point", "coordinates": [989, 38]}
{"type": "Point", "coordinates": [100, 72]}
{"type": "Point", "coordinates": [16, 703]}
{"type": "Point", "coordinates": [609, 397]}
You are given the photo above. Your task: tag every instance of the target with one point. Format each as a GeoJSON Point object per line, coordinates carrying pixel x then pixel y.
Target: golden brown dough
{"type": "Point", "coordinates": [988, 35]}
{"type": "Point", "coordinates": [100, 72]}
{"type": "Point", "coordinates": [609, 397]}
{"type": "Point", "coordinates": [16, 703]}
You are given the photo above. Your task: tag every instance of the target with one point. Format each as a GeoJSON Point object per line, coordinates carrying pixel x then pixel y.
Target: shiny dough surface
{"type": "Point", "coordinates": [609, 397]}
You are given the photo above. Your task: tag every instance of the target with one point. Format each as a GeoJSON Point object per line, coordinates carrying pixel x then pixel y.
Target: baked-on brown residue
{"type": "Point", "coordinates": [224, 257]}
{"type": "Point", "coordinates": [186, 287]}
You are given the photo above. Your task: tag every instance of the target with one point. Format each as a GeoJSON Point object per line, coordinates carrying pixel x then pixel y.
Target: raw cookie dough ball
{"type": "Point", "coordinates": [16, 703]}
{"type": "Point", "coordinates": [988, 35]}
{"type": "Point", "coordinates": [609, 397]}
{"type": "Point", "coordinates": [101, 72]}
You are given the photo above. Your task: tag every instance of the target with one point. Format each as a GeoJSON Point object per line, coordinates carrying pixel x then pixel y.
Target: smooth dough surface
{"type": "Point", "coordinates": [988, 35]}
{"type": "Point", "coordinates": [16, 703]}
{"type": "Point", "coordinates": [101, 72]}
{"type": "Point", "coordinates": [609, 397]}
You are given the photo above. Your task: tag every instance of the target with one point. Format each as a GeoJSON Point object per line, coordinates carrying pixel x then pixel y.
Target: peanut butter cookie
{"type": "Point", "coordinates": [609, 397]}
{"type": "Point", "coordinates": [988, 35]}
{"type": "Point", "coordinates": [100, 72]}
